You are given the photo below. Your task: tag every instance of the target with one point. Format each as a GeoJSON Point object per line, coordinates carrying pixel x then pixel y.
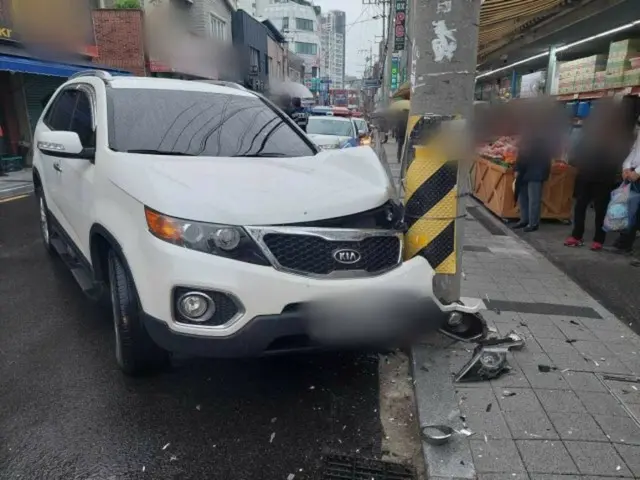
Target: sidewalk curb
{"type": "Point", "coordinates": [436, 404]}
{"type": "Point", "coordinates": [436, 401]}
{"type": "Point", "coordinates": [16, 190]}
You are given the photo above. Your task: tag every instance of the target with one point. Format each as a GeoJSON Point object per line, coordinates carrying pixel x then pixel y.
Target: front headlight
{"type": "Point", "coordinates": [223, 240]}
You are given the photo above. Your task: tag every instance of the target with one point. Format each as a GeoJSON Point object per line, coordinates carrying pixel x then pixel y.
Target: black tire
{"type": "Point", "coordinates": [136, 352]}
{"type": "Point", "coordinates": [45, 222]}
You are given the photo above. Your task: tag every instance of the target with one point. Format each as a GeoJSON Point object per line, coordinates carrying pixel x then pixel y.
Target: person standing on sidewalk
{"type": "Point", "coordinates": [631, 173]}
{"type": "Point", "coordinates": [597, 155]}
{"type": "Point", "coordinates": [537, 147]}
{"type": "Point", "coordinates": [400, 131]}
{"type": "Point", "coordinates": [299, 114]}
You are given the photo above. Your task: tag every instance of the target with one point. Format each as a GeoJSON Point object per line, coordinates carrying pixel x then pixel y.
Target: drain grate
{"type": "Point", "coordinates": [343, 467]}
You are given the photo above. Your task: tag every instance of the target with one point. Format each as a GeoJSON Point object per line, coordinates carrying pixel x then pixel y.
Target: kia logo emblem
{"type": "Point", "coordinates": [347, 256]}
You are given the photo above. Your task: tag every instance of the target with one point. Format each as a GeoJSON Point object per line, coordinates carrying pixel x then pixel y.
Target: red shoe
{"type": "Point", "coordinates": [573, 242]}
{"type": "Point", "coordinates": [596, 246]}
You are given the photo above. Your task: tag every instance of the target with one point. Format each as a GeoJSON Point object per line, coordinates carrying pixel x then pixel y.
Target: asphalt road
{"type": "Point", "coordinates": [66, 411]}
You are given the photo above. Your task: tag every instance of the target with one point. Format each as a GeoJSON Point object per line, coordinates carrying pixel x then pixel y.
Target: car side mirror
{"type": "Point", "coordinates": [63, 144]}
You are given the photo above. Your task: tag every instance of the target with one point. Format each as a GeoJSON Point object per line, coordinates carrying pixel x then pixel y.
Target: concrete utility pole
{"type": "Point", "coordinates": [444, 45]}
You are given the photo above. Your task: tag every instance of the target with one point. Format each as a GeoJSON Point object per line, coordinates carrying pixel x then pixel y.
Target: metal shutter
{"type": "Point", "coordinates": [36, 88]}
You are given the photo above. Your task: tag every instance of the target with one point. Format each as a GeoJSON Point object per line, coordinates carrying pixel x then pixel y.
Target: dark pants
{"type": "Point", "coordinates": [530, 200]}
{"type": "Point", "coordinates": [586, 192]}
{"type": "Point", "coordinates": [400, 147]}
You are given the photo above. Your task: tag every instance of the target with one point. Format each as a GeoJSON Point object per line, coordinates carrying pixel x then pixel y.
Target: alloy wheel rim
{"type": "Point", "coordinates": [44, 223]}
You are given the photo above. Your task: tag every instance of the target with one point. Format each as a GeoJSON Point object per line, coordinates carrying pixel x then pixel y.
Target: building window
{"type": "Point", "coordinates": [270, 66]}
{"type": "Point", "coordinates": [304, 24]}
{"type": "Point", "coordinates": [285, 23]}
{"type": "Point", "coordinates": [217, 27]}
{"type": "Point", "coordinates": [254, 58]}
{"type": "Point", "coordinates": [306, 48]}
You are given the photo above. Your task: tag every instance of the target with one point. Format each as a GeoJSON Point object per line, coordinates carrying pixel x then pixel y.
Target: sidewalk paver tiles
{"type": "Point", "coordinates": [577, 416]}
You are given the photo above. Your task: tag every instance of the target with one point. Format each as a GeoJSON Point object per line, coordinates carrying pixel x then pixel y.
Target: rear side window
{"type": "Point", "coordinates": [60, 114]}
{"type": "Point", "coordinates": [201, 124]}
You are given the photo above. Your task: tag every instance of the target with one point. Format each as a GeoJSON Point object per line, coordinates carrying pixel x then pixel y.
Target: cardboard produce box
{"type": "Point", "coordinates": [584, 86]}
{"type": "Point", "coordinates": [631, 78]}
{"type": "Point", "coordinates": [614, 80]}
{"type": "Point", "coordinates": [599, 79]}
{"type": "Point", "coordinates": [624, 49]}
{"type": "Point", "coordinates": [618, 67]}
{"type": "Point", "coordinates": [565, 87]}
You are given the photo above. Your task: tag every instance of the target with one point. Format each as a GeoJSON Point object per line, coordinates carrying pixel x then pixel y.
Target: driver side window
{"type": "Point", "coordinates": [82, 121]}
{"type": "Point", "coordinates": [71, 112]}
{"type": "Point", "coordinates": [59, 115]}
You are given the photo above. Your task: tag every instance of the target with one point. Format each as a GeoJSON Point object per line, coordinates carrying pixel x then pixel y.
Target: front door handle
{"type": "Point", "coordinates": [56, 167]}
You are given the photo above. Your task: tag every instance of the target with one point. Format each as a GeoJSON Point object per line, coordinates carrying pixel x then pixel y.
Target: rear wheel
{"type": "Point", "coordinates": [45, 225]}
{"type": "Point", "coordinates": [136, 352]}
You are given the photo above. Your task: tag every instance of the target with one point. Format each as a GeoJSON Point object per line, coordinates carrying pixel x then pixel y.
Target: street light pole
{"type": "Point", "coordinates": [444, 51]}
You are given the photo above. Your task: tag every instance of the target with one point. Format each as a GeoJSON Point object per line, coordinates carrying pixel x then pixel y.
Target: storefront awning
{"type": "Point", "coordinates": [42, 67]}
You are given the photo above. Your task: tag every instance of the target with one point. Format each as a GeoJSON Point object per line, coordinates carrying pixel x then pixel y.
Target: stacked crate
{"type": "Point", "coordinates": [619, 69]}
{"type": "Point", "coordinates": [580, 75]}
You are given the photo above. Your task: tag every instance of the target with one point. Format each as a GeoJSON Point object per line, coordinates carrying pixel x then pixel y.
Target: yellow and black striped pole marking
{"type": "Point", "coordinates": [431, 195]}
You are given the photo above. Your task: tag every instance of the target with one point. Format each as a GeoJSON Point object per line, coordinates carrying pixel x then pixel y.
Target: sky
{"type": "Point", "coordinates": [361, 30]}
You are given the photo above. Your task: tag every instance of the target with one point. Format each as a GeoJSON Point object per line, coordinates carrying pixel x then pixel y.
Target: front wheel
{"type": "Point", "coordinates": [136, 352]}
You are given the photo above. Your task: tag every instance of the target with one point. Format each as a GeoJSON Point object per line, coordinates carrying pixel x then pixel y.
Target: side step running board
{"type": "Point", "coordinates": [84, 278]}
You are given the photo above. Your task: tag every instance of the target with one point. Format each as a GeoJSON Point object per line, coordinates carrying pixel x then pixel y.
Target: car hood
{"type": "Point", "coordinates": [256, 191]}
{"type": "Point", "coordinates": [327, 140]}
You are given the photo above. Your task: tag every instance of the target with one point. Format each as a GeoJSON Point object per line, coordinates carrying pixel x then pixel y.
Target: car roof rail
{"type": "Point", "coordinates": [101, 74]}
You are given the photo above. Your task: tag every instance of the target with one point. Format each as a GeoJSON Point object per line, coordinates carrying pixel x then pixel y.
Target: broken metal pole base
{"type": "Point", "coordinates": [465, 327]}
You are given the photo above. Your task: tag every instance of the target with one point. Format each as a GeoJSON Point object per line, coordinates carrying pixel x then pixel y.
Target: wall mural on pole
{"type": "Point", "coordinates": [399, 25]}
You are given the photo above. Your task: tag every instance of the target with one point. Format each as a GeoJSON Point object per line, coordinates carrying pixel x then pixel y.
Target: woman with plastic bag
{"type": "Point", "coordinates": [597, 156]}
{"type": "Point", "coordinates": [631, 174]}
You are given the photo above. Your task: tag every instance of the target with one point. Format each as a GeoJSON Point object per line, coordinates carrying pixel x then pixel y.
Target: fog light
{"type": "Point", "coordinates": [227, 238]}
{"type": "Point", "coordinates": [196, 306]}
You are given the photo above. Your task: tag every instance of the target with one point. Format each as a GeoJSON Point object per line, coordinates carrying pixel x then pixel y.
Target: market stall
{"type": "Point", "coordinates": [493, 182]}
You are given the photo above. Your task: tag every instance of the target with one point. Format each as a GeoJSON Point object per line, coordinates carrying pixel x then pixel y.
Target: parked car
{"type": "Point", "coordinates": [363, 131]}
{"type": "Point", "coordinates": [333, 132]}
{"type": "Point", "coordinates": [211, 224]}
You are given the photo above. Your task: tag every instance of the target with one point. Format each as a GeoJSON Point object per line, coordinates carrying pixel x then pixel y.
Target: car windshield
{"type": "Point", "coordinates": [197, 123]}
{"type": "Point", "coordinates": [362, 125]}
{"type": "Point", "coordinates": [330, 126]}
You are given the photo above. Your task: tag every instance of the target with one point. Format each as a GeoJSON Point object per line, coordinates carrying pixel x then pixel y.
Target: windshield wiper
{"type": "Point", "coordinates": [159, 152]}
{"type": "Point", "coordinates": [262, 155]}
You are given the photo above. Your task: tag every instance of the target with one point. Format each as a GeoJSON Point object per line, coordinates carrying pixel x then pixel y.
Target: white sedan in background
{"type": "Point", "coordinates": [333, 132]}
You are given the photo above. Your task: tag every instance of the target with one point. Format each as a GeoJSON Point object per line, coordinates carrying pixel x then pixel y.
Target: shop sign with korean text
{"type": "Point", "coordinates": [399, 25]}
{"type": "Point", "coordinates": [395, 68]}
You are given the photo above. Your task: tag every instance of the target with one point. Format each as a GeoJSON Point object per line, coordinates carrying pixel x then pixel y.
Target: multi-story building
{"type": "Point", "coordinates": [295, 67]}
{"type": "Point", "coordinates": [277, 57]}
{"type": "Point", "coordinates": [188, 38]}
{"type": "Point", "coordinates": [332, 27]}
{"type": "Point", "coordinates": [298, 20]}
{"type": "Point", "coordinates": [249, 6]}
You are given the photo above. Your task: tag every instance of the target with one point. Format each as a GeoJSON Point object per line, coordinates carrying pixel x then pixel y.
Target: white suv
{"type": "Point", "coordinates": [209, 219]}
